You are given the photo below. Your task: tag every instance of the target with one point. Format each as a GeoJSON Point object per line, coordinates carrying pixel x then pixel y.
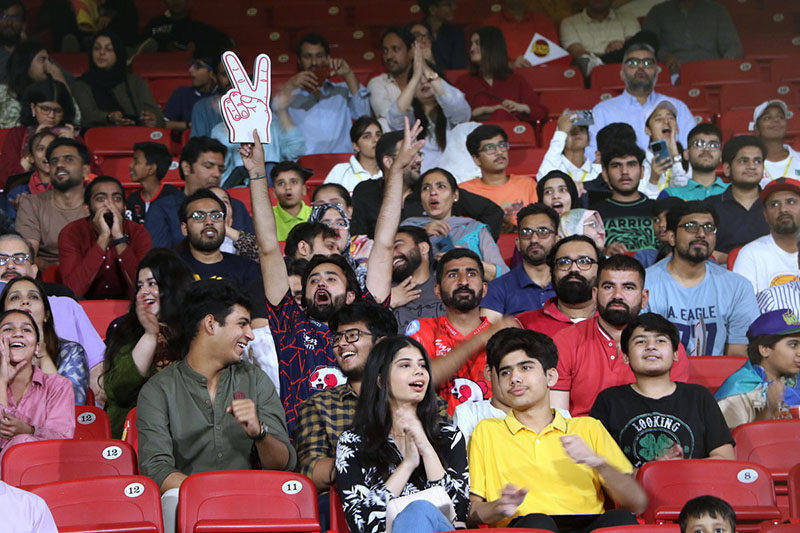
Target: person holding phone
{"type": "Point", "coordinates": [663, 164]}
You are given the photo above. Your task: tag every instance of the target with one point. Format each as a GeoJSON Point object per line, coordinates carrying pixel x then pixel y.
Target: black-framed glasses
{"type": "Point", "coordinates": [493, 147]}
{"type": "Point", "coordinates": [350, 335]}
{"type": "Point", "coordinates": [635, 62]}
{"type": "Point", "coordinates": [50, 110]}
{"type": "Point", "coordinates": [18, 259]}
{"type": "Point", "coordinates": [542, 232]}
{"type": "Point", "coordinates": [694, 227]}
{"type": "Point", "coordinates": [702, 144]}
{"type": "Point", "coordinates": [200, 216]}
{"type": "Point", "coordinates": [584, 263]}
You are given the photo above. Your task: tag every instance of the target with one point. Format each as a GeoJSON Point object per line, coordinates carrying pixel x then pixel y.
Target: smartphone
{"type": "Point", "coordinates": [321, 72]}
{"type": "Point", "coordinates": [583, 117]}
{"type": "Point", "coordinates": [442, 245]}
{"type": "Point", "coordinates": [660, 150]}
{"type": "Point", "coordinates": [109, 219]}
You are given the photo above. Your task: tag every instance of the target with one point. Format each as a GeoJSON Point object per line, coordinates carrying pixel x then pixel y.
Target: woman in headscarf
{"type": "Point", "coordinates": [583, 222]}
{"type": "Point", "coordinates": [334, 216]}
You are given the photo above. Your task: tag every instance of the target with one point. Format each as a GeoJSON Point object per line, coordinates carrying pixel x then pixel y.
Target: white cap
{"type": "Point", "coordinates": [763, 107]}
{"type": "Point", "coordinates": [666, 104]}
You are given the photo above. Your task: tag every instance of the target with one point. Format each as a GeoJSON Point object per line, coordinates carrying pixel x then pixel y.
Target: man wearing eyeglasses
{"type": "Point", "coordinates": [704, 154]}
{"type": "Point", "coordinates": [12, 27]}
{"type": "Point", "coordinates": [178, 111]}
{"type": "Point", "coordinates": [711, 306]}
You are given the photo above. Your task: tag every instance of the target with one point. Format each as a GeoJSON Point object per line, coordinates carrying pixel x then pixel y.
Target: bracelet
{"type": "Point", "coordinates": [124, 239]}
{"type": "Point", "coordinates": [259, 177]}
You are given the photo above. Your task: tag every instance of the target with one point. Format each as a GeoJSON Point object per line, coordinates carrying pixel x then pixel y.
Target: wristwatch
{"type": "Point", "coordinates": [677, 158]}
{"type": "Point", "coordinates": [124, 239]}
{"type": "Point", "coordinates": [261, 434]}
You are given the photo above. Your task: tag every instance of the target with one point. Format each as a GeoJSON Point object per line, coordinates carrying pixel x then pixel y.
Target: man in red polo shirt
{"type": "Point", "coordinates": [573, 265]}
{"type": "Point", "coordinates": [589, 359]}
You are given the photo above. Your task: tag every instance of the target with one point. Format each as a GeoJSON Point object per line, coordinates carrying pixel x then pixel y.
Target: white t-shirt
{"type": "Point", "coordinates": [789, 167]}
{"type": "Point", "coordinates": [765, 264]}
{"type": "Point", "coordinates": [350, 174]}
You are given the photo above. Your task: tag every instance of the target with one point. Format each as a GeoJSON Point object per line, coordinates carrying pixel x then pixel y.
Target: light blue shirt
{"type": "Point", "coordinates": [326, 121]}
{"type": "Point", "coordinates": [723, 304]}
{"type": "Point", "coordinates": [626, 108]}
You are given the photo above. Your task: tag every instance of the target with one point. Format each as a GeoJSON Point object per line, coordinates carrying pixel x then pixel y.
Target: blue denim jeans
{"type": "Point", "coordinates": [421, 517]}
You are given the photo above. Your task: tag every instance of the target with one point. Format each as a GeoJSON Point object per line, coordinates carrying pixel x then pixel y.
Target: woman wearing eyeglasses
{"type": "Point", "coordinates": [334, 216]}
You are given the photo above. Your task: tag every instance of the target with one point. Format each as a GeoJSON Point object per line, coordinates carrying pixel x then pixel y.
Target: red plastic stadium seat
{"type": "Point", "coordinates": [557, 101]}
{"type": "Point", "coordinates": [382, 14]}
{"type": "Point", "coordinates": [526, 162]}
{"type": "Point", "coordinates": [785, 69]}
{"type": "Point", "coordinates": [695, 98]}
{"type": "Point", "coordinates": [118, 141]}
{"type": "Point", "coordinates": [310, 14]}
{"type": "Point", "coordinates": [736, 122]}
{"type": "Point", "coordinates": [46, 461]}
{"type": "Point", "coordinates": [732, 257]}
{"type": "Point", "coordinates": [118, 504]}
{"type": "Point", "coordinates": [507, 243]}
{"type": "Point", "coordinates": [321, 164]}
{"type": "Point", "coordinates": [130, 433]}
{"type": "Point", "coordinates": [718, 72]}
{"type": "Point", "coordinates": [217, 502]}
{"type": "Point", "coordinates": [794, 492]}
{"type": "Point", "coordinates": [781, 528]}
{"type": "Point", "coordinates": [103, 312]}
{"type": "Point", "coordinates": [746, 486]}
{"type": "Point", "coordinates": [91, 423]}
{"type": "Point", "coordinates": [51, 275]}
{"type": "Point", "coordinates": [749, 95]}
{"type": "Point", "coordinates": [162, 88]}
{"type": "Point", "coordinates": [338, 520]}
{"type": "Point", "coordinates": [710, 371]}
{"type": "Point", "coordinates": [161, 65]}
{"type": "Point", "coordinates": [766, 47]}
{"type": "Point", "coordinates": [771, 443]}
{"type": "Point", "coordinates": [76, 63]}
{"type": "Point", "coordinates": [552, 77]}
{"type": "Point", "coordinates": [641, 528]}
{"type": "Point", "coordinates": [520, 134]}
{"type": "Point", "coordinates": [243, 195]}
{"type": "Point", "coordinates": [3, 133]}
{"type": "Point", "coordinates": [237, 15]}
{"type": "Point", "coordinates": [345, 41]}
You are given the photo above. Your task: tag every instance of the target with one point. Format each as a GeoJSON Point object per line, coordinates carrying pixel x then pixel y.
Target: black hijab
{"type": "Point", "coordinates": [103, 81]}
{"type": "Point", "coordinates": [571, 187]}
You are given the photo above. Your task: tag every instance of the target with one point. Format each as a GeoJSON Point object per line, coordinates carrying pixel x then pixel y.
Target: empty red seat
{"type": "Point", "coordinates": [749, 95]}
{"type": "Point", "coordinates": [507, 243]}
{"type": "Point", "coordinates": [382, 14]}
{"type": "Point", "coordinates": [318, 15]}
{"type": "Point", "coordinates": [794, 492]}
{"type": "Point", "coordinates": [771, 443]}
{"type": "Point", "coordinates": [710, 371]}
{"type": "Point", "coordinates": [130, 433]}
{"type": "Point", "coordinates": [91, 423]}
{"type": "Point", "coordinates": [785, 69]}
{"type": "Point", "coordinates": [161, 64]}
{"type": "Point", "coordinates": [321, 164]}
{"type": "Point", "coordinates": [243, 195]}
{"type": "Point", "coordinates": [103, 312]}
{"type": "Point", "coordinates": [641, 528]}
{"type": "Point", "coordinates": [558, 101]}
{"type": "Point", "coordinates": [552, 77]}
{"type": "Point", "coordinates": [119, 140]}
{"type": "Point", "coordinates": [718, 72]}
{"type": "Point", "coordinates": [345, 41]}
{"type": "Point", "coordinates": [695, 98]}
{"type": "Point", "coordinates": [75, 63]}
{"type": "Point", "coordinates": [520, 134]}
{"type": "Point", "coordinates": [237, 15]}
{"type": "Point", "coordinates": [525, 162]}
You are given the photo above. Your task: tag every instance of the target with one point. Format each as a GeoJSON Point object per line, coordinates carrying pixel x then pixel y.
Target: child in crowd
{"type": "Point", "coordinates": [566, 152]}
{"type": "Point", "coordinates": [707, 514]}
{"type": "Point", "coordinates": [289, 186]}
{"type": "Point", "coordinates": [150, 164]}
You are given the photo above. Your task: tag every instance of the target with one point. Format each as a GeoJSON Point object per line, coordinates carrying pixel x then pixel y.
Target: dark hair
{"type": "Point", "coordinates": [155, 154]}
{"type": "Point", "coordinates": [8, 4]}
{"type": "Point", "coordinates": [651, 322]}
{"type": "Point", "coordinates": [538, 209]}
{"type": "Point", "coordinates": [401, 32]}
{"type": "Point", "coordinates": [4, 314]}
{"type": "Point", "coordinates": [373, 416]}
{"type": "Point", "coordinates": [755, 341]}
{"type": "Point", "coordinates": [614, 132]}
{"type": "Point", "coordinates": [621, 263]}
{"type": "Point", "coordinates": [14, 236]}
{"type": "Point", "coordinates": [439, 121]}
{"type": "Point", "coordinates": [33, 139]}
{"type": "Point", "coordinates": [675, 214]}
{"type": "Point", "coordinates": [199, 194]}
{"type": "Point", "coordinates": [621, 149]}
{"type": "Point", "coordinates": [451, 180]}
{"type": "Point", "coordinates": [738, 142]}
{"type": "Point", "coordinates": [173, 277]}
{"type": "Point", "coordinates": [452, 255]}
{"type": "Point", "coordinates": [704, 128]}
{"type": "Point", "coordinates": [387, 146]}
{"type": "Point", "coordinates": [535, 345]}
{"type": "Point", "coordinates": [48, 90]}
{"type": "Point", "coordinates": [667, 204]}
{"type": "Point", "coordinates": [214, 297]}
{"type": "Point", "coordinates": [422, 23]}
{"type": "Point", "coordinates": [295, 266]}
{"type": "Point", "coordinates": [426, 5]}
{"type": "Point", "coordinates": [494, 54]}
{"type": "Point", "coordinates": [380, 321]}
{"type": "Point", "coordinates": [352, 284]}
{"type": "Point", "coordinates": [417, 234]}
{"type": "Point", "coordinates": [571, 187]}
{"type": "Point", "coordinates": [121, 64]}
{"type": "Point", "coordinates": [195, 147]}
{"type": "Point", "coordinates": [315, 39]}
{"type": "Point", "coordinates": [360, 126]}
{"type": "Point", "coordinates": [707, 505]}
{"type": "Point", "coordinates": [348, 200]}
{"type": "Point", "coordinates": [52, 343]}
{"type": "Point", "coordinates": [482, 133]}
{"type": "Point", "coordinates": [289, 166]}
{"type": "Point", "coordinates": [19, 64]}
{"type": "Point", "coordinates": [306, 232]}
{"type": "Point", "coordinates": [99, 180]}
{"type": "Point", "coordinates": [83, 151]}
{"type": "Point", "coordinates": [551, 256]}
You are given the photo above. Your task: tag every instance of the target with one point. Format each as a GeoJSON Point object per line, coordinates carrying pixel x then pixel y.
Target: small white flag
{"type": "Point", "coordinates": [542, 50]}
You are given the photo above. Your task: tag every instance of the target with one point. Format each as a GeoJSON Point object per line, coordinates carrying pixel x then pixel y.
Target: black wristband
{"type": "Point", "coordinates": [124, 239]}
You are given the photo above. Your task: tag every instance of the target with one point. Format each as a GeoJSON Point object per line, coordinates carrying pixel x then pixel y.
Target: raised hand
{"type": "Point", "coordinates": [253, 155]}
{"type": "Point", "coordinates": [147, 318]}
{"type": "Point", "coordinates": [580, 452]}
{"type": "Point", "coordinates": [245, 106]}
{"type": "Point", "coordinates": [244, 411]}
{"type": "Point", "coordinates": [410, 147]}
{"type": "Point", "coordinates": [405, 292]}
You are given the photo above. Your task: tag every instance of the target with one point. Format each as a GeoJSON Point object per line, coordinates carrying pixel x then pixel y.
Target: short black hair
{"type": "Point", "coordinates": [704, 128]}
{"type": "Point", "coordinates": [360, 126]}
{"type": "Point", "coordinates": [48, 90]}
{"type": "Point", "coordinates": [196, 146]}
{"type": "Point", "coordinates": [306, 232]}
{"type": "Point", "coordinates": [738, 142]}
{"type": "Point", "coordinates": [707, 505]}
{"type": "Point", "coordinates": [452, 255]}
{"type": "Point", "coordinates": [675, 214]}
{"type": "Point", "coordinates": [216, 297]}
{"type": "Point", "coordinates": [535, 345]}
{"type": "Point", "coordinates": [551, 257]}
{"type": "Point", "coordinates": [613, 133]}
{"type": "Point", "coordinates": [482, 133]}
{"type": "Point", "coordinates": [155, 154]}
{"type": "Point", "coordinates": [378, 319]}
{"type": "Point", "coordinates": [451, 180]}
{"type": "Point", "coordinates": [315, 39]}
{"type": "Point", "coordinates": [387, 145]}
{"type": "Point", "coordinates": [568, 181]}
{"type": "Point", "coordinates": [199, 194]}
{"type": "Point", "coordinates": [352, 284]}
{"type": "Point", "coordinates": [289, 166]}
{"type": "Point", "coordinates": [418, 234]}
{"type": "Point", "coordinates": [401, 32]}
{"type": "Point", "coordinates": [425, 5]}
{"type": "Point", "coordinates": [344, 193]}
{"type": "Point", "coordinates": [768, 340]}
{"type": "Point", "coordinates": [539, 209]}
{"type": "Point", "coordinates": [620, 149]}
{"type": "Point", "coordinates": [295, 266]}
{"type": "Point", "coordinates": [58, 142]}
{"type": "Point", "coordinates": [99, 180]}
{"type": "Point", "coordinates": [621, 263]}
{"type": "Point", "coordinates": [650, 322]}
{"type": "Point", "coordinates": [668, 203]}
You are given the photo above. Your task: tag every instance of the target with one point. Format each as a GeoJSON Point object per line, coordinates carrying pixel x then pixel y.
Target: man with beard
{"type": "Point", "coordinates": [639, 71]}
{"type": "Point", "coordinates": [100, 254]}
{"type": "Point", "coordinates": [12, 25]}
{"type": "Point", "coordinates": [711, 306]}
{"type": "Point", "coordinates": [41, 217]}
{"type": "Point", "coordinates": [772, 259]}
{"type": "Point", "coordinates": [368, 194]}
{"type": "Point", "coordinates": [589, 358]}
{"type": "Point", "coordinates": [528, 285]}
{"type": "Point", "coordinates": [704, 155]}
{"type": "Point", "coordinates": [413, 291]}
{"type": "Point", "coordinates": [384, 89]}
{"type": "Point", "coordinates": [573, 264]}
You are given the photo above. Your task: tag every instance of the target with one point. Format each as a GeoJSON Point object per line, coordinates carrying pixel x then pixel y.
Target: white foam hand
{"type": "Point", "coordinates": [245, 107]}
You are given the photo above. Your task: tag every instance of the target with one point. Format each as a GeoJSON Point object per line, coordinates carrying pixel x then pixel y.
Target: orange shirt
{"type": "Point", "coordinates": [512, 196]}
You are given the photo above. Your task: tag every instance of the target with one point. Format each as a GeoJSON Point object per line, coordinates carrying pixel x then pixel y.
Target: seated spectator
{"type": "Point", "coordinates": [784, 296]}
{"type": "Point", "coordinates": [528, 285]}
{"type": "Point", "coordinates": [54, 355]}
{"type": "Point", "coordinates": [772, 259]}
{"type": "Point", "coordinates": [413, 277]}
{"type": "Point", "coordinates": [707, 513]}
{"type": "Point", "coordinates": [176, 30]}
{"type": "Point", "coordinates": [611, 135]}
{"type": "Point", "coordinates": [336, 218]}
{"type": "Point", "coordinates": [492, 89]}
{"type": "Point", "coordinates": [316, 100]}
{"type": "Point", "coordinates": [150, 164]}
{"type": "Point", "coordinates": [26, 511]}
{"type": "Point", "coordinates": [143, 341]}
{"type": "Point", "coordinates": [236, 242]}
{"type": "Point", "coordinates": [520, 21]}
{"type": "Point", "coordinates": [108, 95]}
{"type": "Point", "coordinates": [690, 424]}
{"type": "Point", "coordinates": [396, 418]}
{"type": "Point", "coordinates": [449, 51]}
{"type": "Point", "coordinates": [566, 152]}
{"type": "Point", "coordinates": [362, 166]}
{"type": "Point", "coordinates": [660, 124]}
{"type": "Point", "coordinates": [385, 88]}
{"type": "Point", "coordinates": [295, 268]}
{"type": "Point", "coordinates": [739, 208]}
{"type": "Point", "coordinates": [583, 222]}
{"type": "Point", "coordinates": [324, 416]}
{"type": "Point", "coordinates": [574, 287]}
{"type": "Point", "coordinates": [590, 464]}
{"type": "Point", "coordinates": [590, 360]}
{"type": "Point", "coordinates": [435, 103]}
{"type": "Point", "coordinates": [308, 239]}
{"type": "Point", "coordinates": [201, 163]}
{"type": "Point", "coordinates": [36, 405]}
{"type": "Point", "coordinates": [289, 180]}
{"type": "Point", "coordinates": [13, 32]}
{"type": "Point", "coordinates": [488, 146]}
{"type": "Point", "coordinates": [178, 111]}
{"type": "Point", "coordinates": [692, 31]}
{"type": "Point", "coordinates": [423, 39]}
{"type": "Point", "coordinates": [557, 190]}
{"type": "Point", "coordinates": [439, 192]}
{"type": "Point", "coordinates": [98, 254]}
{"type": "Point", "coordinates": [41, 217]}
{"type": "Point", "coordinates": [37, 178]}
{"type": "Point", "coordinates": [205, 113]}
{"type": "Point", "coordinates": [704, 155]}
{"type": "Point", "coordinates": [769, 123]}
{"type": "Point", "coordinates": [767, 383]}
{"type": "Point", "coordinates": [661, 209]}
{"type": "Point", "coordinates": [711, 306]}
{"type": "Point", "coordinates": [595, 36]}
{"type": "Point", "coordinates": [333, 193]}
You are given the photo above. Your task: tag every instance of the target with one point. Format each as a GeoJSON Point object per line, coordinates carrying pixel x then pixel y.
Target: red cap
{"type": "Point", "coordinates": [780, 184]}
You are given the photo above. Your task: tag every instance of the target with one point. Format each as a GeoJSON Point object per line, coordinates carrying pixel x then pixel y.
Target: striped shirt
{"type": "Point", "coordinates": [786, 296]}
